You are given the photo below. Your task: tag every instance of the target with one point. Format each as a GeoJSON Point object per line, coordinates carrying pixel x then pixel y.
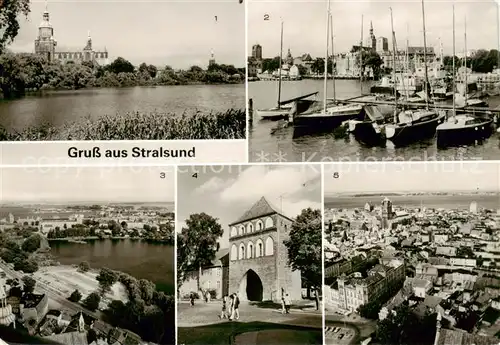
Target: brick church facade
{"type": "Point", "coordinates": [258, 257]}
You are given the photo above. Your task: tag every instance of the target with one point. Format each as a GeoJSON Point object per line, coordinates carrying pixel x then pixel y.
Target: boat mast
{"type": "Point", "coordinates": [407, 48]}
{"type": "Point", "coordinates": [453, 59]}
{"type": "Point", "coordinates": [425, 60]}
{"type": "Point", "coordinates": [325, 88]}
{"type": "Point", "coordinates": [333, 58]}
{"type": "Point", "coordinates": [465, 56]}
{"type": "Point", "coordinates": [361, 59]}
{"type": "Point", "coordinates": [281, 61]}
{"type": "Point", "coordinates": [394, 68]}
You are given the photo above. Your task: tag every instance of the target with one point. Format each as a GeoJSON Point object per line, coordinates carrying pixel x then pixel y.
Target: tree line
{"type": "Point", "coordinates": [20, 73]}
{"type": "Point", "coordinates": [481, 61]}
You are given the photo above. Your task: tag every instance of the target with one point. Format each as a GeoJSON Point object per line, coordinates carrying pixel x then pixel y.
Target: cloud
{"type": "Point", "coordinates": [214, 184]}
{"type": "Point", "coordinates": [293, 209]}
{"type": "Point", "coordinates": [257, 181]}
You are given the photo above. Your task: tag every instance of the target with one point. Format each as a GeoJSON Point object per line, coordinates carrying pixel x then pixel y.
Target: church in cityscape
{"type": "Point", "coordinates": [45, 45]}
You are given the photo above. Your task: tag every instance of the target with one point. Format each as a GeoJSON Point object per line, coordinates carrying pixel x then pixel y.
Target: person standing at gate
{"type": "Point", "coordinates": [287, 304]}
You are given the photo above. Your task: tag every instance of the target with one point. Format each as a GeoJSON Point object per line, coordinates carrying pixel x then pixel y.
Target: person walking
{"type": "Point", "coordinates": [224, 308]}
{"type": "Point", "coordinates": [236, 306]}
{"type": "Point", "coordinates": [230, 310]}
{"type": "Point", "coordinates": [282, 301]}
{"type": "Point", "coordinates": [287, 304]}
{"type": "Point", "coordinates": [191, 299]}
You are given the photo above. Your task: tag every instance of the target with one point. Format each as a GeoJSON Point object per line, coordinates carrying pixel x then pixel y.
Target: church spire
{"type": "Point", "coordinates": [371, 28]}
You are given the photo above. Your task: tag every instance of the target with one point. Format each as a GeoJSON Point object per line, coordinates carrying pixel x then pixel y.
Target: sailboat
{"type": "Point", "coordinates": [412, 125]}
{"type": "Point", "coordinates": [280, 111]}
{"type": "Point", "coordinates": [462, 128]}
{"type": "Point", "coordinates": [332, 114]}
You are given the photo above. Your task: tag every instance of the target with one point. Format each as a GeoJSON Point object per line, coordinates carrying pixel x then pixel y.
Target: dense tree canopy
{"type": "Point", "coordinates": [197, 244]}
{"type": "Point", "coordinates": [304, 247]}
{"type": "Point", "coordinates": [11, 11]}
{"type": "Point", "coordinates": [28, 284]}
{"type": "Point", "coordinates": [92, 301]}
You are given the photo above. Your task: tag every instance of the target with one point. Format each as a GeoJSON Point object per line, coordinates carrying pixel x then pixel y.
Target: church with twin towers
{"type": "Point", "coordinates": [46, 45]}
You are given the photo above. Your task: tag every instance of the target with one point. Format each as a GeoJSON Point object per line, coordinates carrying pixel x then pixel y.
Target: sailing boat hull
{"type": "Point", "coordinates": [308, 124]}
{"type": "Point", "coordinates": [370, 133]}
{"type": "Point", "coordinates": [274, 114]}
{"type": "Point", "coordinates": [461, 135]}
{"type": "Point", "coordinates": [404, 134]}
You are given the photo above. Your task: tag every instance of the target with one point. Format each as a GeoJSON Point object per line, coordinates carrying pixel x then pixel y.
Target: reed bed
{"type": "Point", "coordinates": [230, 124]}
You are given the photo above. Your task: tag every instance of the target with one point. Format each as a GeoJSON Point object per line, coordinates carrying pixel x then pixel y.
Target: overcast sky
{"type": "Point", "coordinates": [228, 192]}
{"type": "Point", "coordinates": [175, 33]}
{"type": "Point", "coordinates": [305, 24]}
{"type": "Point", "coordinates": [406, 177]}
{"type": "Point", "coordinates": [99, 184]}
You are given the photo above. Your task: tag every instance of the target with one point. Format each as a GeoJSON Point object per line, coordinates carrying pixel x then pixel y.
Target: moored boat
{"type": "Point", "coordinates": [464, 129]}
{"type": "Point", "coordinates": [414, 125]}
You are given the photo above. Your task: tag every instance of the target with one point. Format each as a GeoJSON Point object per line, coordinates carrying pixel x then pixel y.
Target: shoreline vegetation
{"type": "Point", "coordinates": [140, 126]}
{"type": "Point", "coordinates": [24, 73]}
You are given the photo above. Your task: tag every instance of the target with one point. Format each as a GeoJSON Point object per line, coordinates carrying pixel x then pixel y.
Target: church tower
{"type": "Point", "coordinates": [211, 62]}
{"type": "Point", "coordinates": [7, 317]}
{"type": "Point", "coordinates": [372, 41]}
{"type": "Point", "coordinates": [45, 44]}
{"type": "Point", "coordinates": [87, 51]}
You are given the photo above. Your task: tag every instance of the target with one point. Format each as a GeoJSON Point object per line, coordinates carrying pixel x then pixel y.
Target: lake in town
{"type": "Point", "coordinates": [142, 260]}
{"type": "Point", "coordinates": [282, 147]}
{"type": "Point", "coordinates": [57, 108]}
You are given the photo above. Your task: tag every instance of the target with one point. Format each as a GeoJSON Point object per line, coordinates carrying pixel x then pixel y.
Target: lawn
{"type": "Point", "coordinates": [270, 333]}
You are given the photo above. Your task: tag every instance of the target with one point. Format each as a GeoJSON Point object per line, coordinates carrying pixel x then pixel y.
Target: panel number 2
{"type": "Point", "coordinates": [266, 16]}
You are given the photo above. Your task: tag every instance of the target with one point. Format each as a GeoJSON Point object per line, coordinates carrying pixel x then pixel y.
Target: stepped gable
{"type": "Point", "coordinates": [259, 209]}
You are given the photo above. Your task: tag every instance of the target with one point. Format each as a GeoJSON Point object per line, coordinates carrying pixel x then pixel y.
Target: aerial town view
{"type": "Point", "coordinates": [249, 268]}
{"type": "Point", "coordinates": [416, 80]}
{"type": "Point", "coordinates": [87, 256]}
{"type": "Point", "coordinates": [68, 75]}
{"type": "Point", "coordinates": [411, 254]}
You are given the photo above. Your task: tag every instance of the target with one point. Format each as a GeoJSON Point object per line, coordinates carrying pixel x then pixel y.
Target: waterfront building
{"type": "Point", "coordinates": [211, 61]}
{"type": "Point", "coordinates": [45, 45]}
{"type": "Point", "coordinates": [258, 266]}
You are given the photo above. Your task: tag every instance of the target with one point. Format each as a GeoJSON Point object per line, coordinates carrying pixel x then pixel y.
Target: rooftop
{"type": "Point", "coordinates": [259, 209]}
{"type": "Point", "coordinates": [31, 300]}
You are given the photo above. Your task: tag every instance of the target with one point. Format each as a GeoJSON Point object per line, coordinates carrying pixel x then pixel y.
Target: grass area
{"type": "Point", "coordinates": [225, 333]}
{"type": "Point", "coordinates": [141, 126]}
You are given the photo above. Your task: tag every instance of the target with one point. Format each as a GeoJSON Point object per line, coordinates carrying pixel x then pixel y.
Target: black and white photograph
{"type": "Point", "coordinates": [416, 80]}
{"type": "Point", "coordinates": [87, 256]}
{"type": "Point", "coordinates": [114, 70]}
{"type": "Point", "coordinates": [249, 255]}
{"type": "Point", "coordinates": [411, 254]}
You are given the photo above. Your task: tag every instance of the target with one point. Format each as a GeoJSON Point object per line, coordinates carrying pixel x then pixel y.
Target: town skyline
{"type": "Point", "coordinates": [227, 193]}
{"type": "Point", "coordinates": [308, 19]}
{"type": "Point", "coordinates": [154, 41]}
{"type": "Point", "coordinates": [87, 185]}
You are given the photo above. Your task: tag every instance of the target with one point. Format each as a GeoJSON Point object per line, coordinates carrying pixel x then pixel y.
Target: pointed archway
{"type": "Point", "coordinates": [251, 288]}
